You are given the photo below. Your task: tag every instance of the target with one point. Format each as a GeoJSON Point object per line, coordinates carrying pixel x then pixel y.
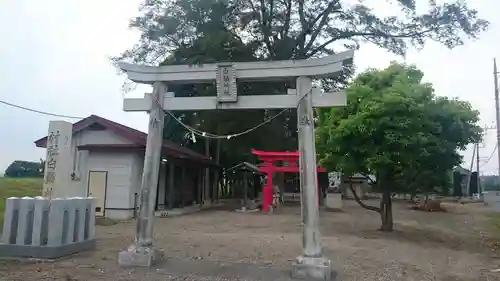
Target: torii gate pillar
{"type": "Point", "coordinates": [311, 264]}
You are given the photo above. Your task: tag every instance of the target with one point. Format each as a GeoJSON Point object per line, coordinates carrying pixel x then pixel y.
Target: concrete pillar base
{"type": "Point", "coordinates": [313, 268]}
{"type": "Point", "coordinates": [140, 257]}
{"type": "Point", "coordinates": [245, 210]}
{"type": "Point", "coordinates": [207, 204]}
{"type": "Point", "coordinates": [334, 200]}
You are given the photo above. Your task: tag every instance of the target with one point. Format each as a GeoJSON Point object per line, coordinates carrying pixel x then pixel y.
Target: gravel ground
{"type": "Point", "coordinates": [452, 246]}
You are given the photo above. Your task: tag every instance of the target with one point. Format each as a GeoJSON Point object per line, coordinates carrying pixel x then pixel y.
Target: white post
{"type": "Point", "coordinates": [41, 206]}
{"type": "Point", "coordinates": [311, 264]}
{"type": "Point", "coordinates": [56, 214]}
{"type": "Point", "coordinates": [141, 252]}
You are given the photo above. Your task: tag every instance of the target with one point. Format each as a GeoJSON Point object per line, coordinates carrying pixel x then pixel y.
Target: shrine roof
{"type": "Point", "coordinates": [135, 136]}
{"type": "Point", "coordinates": [245, 166]}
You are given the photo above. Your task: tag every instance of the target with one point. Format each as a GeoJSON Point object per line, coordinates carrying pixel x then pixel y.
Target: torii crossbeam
{"type": "Point", "coordinates": [311, 264]}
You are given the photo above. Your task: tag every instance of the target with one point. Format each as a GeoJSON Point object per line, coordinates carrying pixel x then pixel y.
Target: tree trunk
{"type": "Point", "coordinates": [386, 211]}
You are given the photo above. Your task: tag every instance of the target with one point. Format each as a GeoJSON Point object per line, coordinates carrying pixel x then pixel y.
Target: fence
{"type": "Point", "coordinates": [47, 229]}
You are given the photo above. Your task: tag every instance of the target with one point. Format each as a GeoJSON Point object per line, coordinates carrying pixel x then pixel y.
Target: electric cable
{"type": "Point", "coordinates": [39, 111]}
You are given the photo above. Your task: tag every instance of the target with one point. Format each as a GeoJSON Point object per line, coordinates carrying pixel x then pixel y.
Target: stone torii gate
{"type": "Point", "coordinates": [311, 263]}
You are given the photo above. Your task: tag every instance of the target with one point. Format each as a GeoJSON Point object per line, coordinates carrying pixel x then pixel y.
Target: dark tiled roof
{"type": "Point", "coordinates": [245, 166]}
{"type": "Point", "coordinates": [133, 135]}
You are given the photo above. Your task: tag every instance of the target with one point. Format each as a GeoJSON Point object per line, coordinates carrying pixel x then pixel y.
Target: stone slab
{"type": "Point", "coordinates": [10, 251]}
{"type": "Point", "coordinates": [311, 268]}
{"type": "Point", "coordinates": [137, 258]}
{"type": "Point", "coordinates": [244, 210]}
{"type": "Point", "coordinates": [204, 270]}
{"type": "Point", "coordinates": [334, 200]}
{"type": "Point", "coordinates": [58, 164]}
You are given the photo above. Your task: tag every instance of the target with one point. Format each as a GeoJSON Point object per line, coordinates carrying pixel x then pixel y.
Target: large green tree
{"type": "Point", "coordinates": [198, 31]}
{"type": "Point", "coordinates": [395, 128]}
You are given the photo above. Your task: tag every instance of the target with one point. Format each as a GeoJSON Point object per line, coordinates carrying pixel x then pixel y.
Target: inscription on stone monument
{"type": "Point", "coordinates": [57, 181]}
{"type": "Point", "coordinates": [52, 153]}
{"type": "Point", "coordinates": [304, 121]}
{"type": "Point", "coordinates": [226, 83]}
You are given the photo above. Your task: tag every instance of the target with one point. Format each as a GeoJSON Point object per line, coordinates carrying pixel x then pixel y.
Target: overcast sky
{"type": "Point", "coordinates": [54, 57]}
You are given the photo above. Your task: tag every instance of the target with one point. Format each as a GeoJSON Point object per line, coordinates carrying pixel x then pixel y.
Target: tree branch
{"type": "Point", "coordinates": [265, 26]}
{"type": "Point", "coordinates": [350, 34]}
{"type": "Point", "coordinates": [324, 20]}
{"type": "Point", "coordinates": [358, 200]}
{"type": "Point", "coordinates": [372, 181]}
{"type": "Point", "coordinates": [286, 27]}
{"type": "Point", "coordinates": [301, 39]}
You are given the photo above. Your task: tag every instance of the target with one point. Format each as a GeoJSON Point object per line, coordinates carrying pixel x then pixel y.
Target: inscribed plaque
{"type": "Point", "coordinates": [226, 83]}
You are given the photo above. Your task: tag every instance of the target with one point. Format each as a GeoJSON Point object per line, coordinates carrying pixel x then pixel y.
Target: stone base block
{"type": "Point", "coordinates": [245, 210]}
{"type": "Point", "coordinates": [313, 269]}
{"type": "Point", "coordinates": [143, 257]}
{"type": "Point", "coordinates": [206, 204]}
{"type": "Point", "coordinates": [334, 200]}
{"type": "Point", "coordinates": [11, 251]}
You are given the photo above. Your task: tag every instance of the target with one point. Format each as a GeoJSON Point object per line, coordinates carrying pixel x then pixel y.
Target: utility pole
{"type": "Point", "coordinates": [497, 111]}
{"type": "Point", "coordinates": [478, 179]}
{"type": "Point", "coordinates": [469, 176]}
{"type": "Point", "coordinates": [485, 130]}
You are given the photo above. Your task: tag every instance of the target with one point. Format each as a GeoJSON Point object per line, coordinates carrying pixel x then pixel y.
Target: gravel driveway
{"type": "Point", "coordinates": [452, 246]}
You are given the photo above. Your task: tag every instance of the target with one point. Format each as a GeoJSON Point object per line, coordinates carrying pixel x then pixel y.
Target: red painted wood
{"type": "Point", "coordinates": [269, 168]}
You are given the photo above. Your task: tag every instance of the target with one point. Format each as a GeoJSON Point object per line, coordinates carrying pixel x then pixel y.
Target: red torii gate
{"type": "Point", "coordinates": [268, 167]}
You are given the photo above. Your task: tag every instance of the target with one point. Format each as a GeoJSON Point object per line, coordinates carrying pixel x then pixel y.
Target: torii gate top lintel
{"type": "Point", "coordinates": [227, 74]}
{"type": "Point", "coordinates": [329, 66]}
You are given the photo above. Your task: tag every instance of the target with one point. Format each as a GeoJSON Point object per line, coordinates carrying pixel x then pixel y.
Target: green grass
{"type": "Point", "coordinates": [12, 187]}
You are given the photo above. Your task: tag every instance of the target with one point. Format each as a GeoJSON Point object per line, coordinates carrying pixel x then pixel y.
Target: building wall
{"type": "Point", "coordinates": [88, 137]}
{"type": "Point", "coordinates": [120, 187]}
{"type": "Point", "coordinates": [122, 171]}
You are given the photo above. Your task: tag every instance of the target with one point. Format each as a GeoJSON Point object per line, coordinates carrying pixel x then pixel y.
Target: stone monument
{"type": "Point", "coordinates": [58, 162]}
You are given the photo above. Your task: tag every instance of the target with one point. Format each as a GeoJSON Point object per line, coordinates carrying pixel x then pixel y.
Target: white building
{"type": "Point", "coordinates": [108, 160]}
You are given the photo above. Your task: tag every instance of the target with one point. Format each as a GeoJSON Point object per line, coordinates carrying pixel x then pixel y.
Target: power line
{"type": "Point", "coordinates": [192, 130]}
{"type": "Point", "coordinates": [39, 111]}
{"type": "Point", "coordinates": [491, 156]}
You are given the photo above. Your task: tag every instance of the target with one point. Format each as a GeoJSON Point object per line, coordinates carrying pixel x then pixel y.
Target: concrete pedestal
{"type": "Point", "coordinates": [334, 200]}
{"type": "Point", "coordinates": [312, 268]}
{"type": "Point", "coordinates": [37, 228]}
{"type": "Point", "coordinates": [143, 256]}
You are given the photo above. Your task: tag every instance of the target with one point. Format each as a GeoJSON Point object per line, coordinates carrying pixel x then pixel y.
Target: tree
{"type": "Point", "coordinates": [298, 29]}
{"type": "Point", "coordinates": [219, 44]}
{"type": "Point", "coordinates": [395, 128]}
{"type": "Point", "coordinates": [197, 31]}
{"type": "Point", "coordinates": [24, 169]}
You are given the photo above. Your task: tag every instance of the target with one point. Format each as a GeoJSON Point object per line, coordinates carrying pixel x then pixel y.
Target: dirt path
{"type": "Point", "coordinates": [452, 246]}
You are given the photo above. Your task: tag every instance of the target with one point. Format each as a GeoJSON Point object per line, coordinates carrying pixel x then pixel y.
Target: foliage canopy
{"type": "Point", "coordinates": [395, 128]}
